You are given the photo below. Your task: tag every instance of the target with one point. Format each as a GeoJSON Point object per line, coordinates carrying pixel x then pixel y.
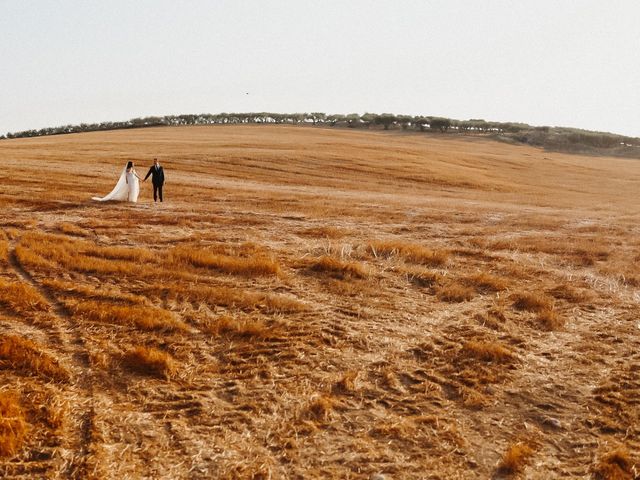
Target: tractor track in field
{"type": "Point", "coordinates": [81, 386]}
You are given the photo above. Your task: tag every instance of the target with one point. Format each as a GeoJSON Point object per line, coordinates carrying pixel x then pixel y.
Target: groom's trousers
{"type": "Point", "coordinates": [157, 192]}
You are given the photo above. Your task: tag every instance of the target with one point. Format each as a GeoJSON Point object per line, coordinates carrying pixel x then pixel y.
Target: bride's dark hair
{"type": "Point", "coordinates": [129, 165]}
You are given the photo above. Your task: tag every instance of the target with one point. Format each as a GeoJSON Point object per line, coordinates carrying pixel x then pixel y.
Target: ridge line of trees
{"type": "Point", "coordinates": [552, 138]}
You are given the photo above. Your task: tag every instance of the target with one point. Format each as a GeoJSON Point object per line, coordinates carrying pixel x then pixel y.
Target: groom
{"type": "Point", "coordinates": [157, 178]}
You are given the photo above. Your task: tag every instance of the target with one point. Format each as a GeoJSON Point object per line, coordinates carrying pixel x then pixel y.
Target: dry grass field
{"type": "Point", "coordinates": [313, 303]}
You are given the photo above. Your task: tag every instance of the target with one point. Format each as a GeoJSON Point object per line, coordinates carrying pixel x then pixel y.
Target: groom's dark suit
{"type": "Point", "coordinates": [157, 178]}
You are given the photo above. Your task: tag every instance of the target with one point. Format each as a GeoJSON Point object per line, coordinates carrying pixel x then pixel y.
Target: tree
{"type": "Point", "coordinates": [478, 124]}
{"type": "Point", "coordinates": [386, 119]}
{"type": "Point", "coordinates": [335, 118]}
{"type": "Point", "coordinates": [405, 121]}
{"type": "Point", "coordinates": [420, 122]}
{"type": "Point", "coordinates": [514, 127]}
{"type": "Point", "coordinates": [353, 120]}
{"type": "Point", "coordinates": [439, 123]}
{"type": "Point", "coordinates": [368, 118]}
{"type": "Point", "coordinates": [318, 117]}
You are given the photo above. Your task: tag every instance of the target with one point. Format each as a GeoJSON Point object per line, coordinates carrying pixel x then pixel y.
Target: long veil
{"type": "Point", "coordinates": [119, 192]}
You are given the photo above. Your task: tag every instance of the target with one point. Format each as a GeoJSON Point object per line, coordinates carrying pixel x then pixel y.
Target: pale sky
{"type": "Point", "coordinates": [570, 63]}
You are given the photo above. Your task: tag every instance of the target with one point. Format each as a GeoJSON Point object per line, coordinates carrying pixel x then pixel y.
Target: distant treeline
{"type": "Point", "coordinates": [552, 138]}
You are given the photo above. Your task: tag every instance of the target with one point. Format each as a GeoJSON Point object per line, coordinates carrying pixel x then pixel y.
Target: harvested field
{"type": "Point", "coordinates": [314, 303]}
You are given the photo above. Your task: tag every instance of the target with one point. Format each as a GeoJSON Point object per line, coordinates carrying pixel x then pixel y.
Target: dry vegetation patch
{"type": "Point", "coordinates": [582, 252]}
{"type": "Point", "coordinates": [150, 361]}
{"type": "Point", "coordinates": [532, 302]}
{"type": "Point", "coordinates": [625, 272]}
{"type": "Point", "coordinates": [145, 318]}
{"type": "Point", "coordinates": [347, 383]}
{"type": "Point", "coordinates": [348, 287]}
{"type": "Point", "coordinates": [237, 265]}
{"type": "Point", "coordinates": [515, 459]}
{"type": "Point", "coordinates": [72, 229]}
{"type": "Point", "coordinates": [485, 282]}
{"type": "Point", "coordinates": [228, 297]}
{"type": "Point", "coordinates": [402, 429]}
{"type": "Point", "coordinates": [30, 258]}
{"type": "Point", "coordinates": [494, 318]}
{"type": "Point", "coordinates": [338, 268]}
{"type": "Point", "coordinates": [21, 297]}
{"type": "Point", "coordinates": [4, 250]}
{"type": "Point", "coordinates": [410, 252]}
{"type": "Point", "coordinates": [13, 424]}
{"type": "Point", "coordinates": [323, 231]}
{"type": "Point", "coordinates": [320, 408]}
{"type": "Point", "coordinates": [571, 294]}
{"type": "Point", "coordinates": [227, 325]}
{"type": "Point", "coordinates": [550, 320]}
{"type": "Point", "coordinates": [421, 277]}
{"type": "Point", "coordinates": [48, 252]}
{"type": "Point", "coordinates": [27, 356]}
{"type": "Point", "coordinates": [616, 465]}
{"type": "Point", "coordinates": [487, 352]}
{"type": "Point", "coordinates": [454, 292]}
{"type": "Point", "coordinates": [590, 255]}
{"type": "Point", "coordinates": [132, 254]}
{"type": "Point", "coordinates": [105, 293]}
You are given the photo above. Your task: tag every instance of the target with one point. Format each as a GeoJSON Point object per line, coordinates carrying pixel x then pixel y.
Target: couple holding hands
{"type": "Point", "coordinates": [128, 186]}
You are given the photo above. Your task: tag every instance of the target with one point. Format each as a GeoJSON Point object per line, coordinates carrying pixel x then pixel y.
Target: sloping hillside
{"type": "Point", "coordinates": [313, 303]}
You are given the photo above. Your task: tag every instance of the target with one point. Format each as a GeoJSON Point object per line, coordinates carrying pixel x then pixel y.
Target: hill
{"type": "Point", "coordinates": [561, 139]}
{"type": "Point", "coordinates": [316, 303]}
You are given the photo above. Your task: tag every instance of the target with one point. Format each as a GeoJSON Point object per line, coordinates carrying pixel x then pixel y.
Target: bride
{"type": "Point", "coordinates": [127, 188]}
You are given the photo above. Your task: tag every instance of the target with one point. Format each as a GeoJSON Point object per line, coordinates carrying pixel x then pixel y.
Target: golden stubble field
{"type": "Point", "coordinates": [312, 303]}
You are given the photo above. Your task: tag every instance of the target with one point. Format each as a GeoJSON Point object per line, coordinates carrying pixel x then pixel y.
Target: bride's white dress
{"type": "Point", "coordinates": [126, 190]}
